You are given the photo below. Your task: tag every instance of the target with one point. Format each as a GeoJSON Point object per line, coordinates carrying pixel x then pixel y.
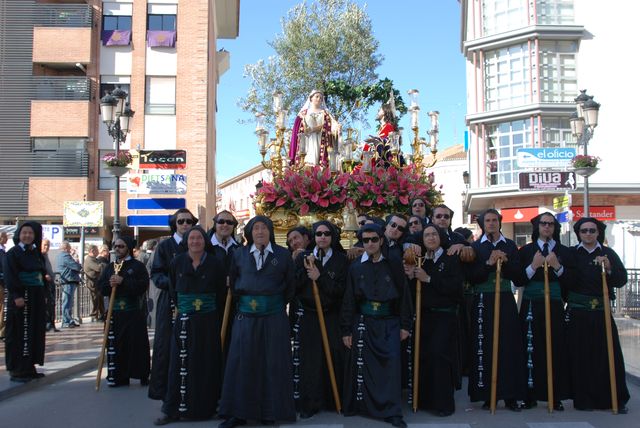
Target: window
{"type": "Point", "coordinates": [558, 76]}
{"type": "Point", "coordinates": [160, 95]}
{"type": "Point", "coordinates": [555, 12]}
{"type": "Point", "coordinates": [556, 132]}
{"type": "Point", "coordinates": [58, 144]}
{"type": "Point", "coordinates": [503, 142]}
{"type": "Point", "coordinates": [110, 87]}
{"type": "Point", "coordinates": [116, 22]}
{"type": "Point", "coordinates": [507, 77]}
{"type": "Point", "coordinates": [161, 22]}
{"type": "Point", "coordinates": [499, 16]}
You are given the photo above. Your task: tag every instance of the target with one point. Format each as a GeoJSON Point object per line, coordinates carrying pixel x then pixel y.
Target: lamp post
{"type": "Point", "coordinates": [116, 114]}
{"type": "Point", "coordinates": [583, 122]}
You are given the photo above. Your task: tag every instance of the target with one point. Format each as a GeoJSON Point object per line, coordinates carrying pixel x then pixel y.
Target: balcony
{"type": "Point", "coordinates": [63, 88]}
{"type": "Point", "coordinates": [60, 164]}
{"type": "Point", "coordinates": [62, 34]}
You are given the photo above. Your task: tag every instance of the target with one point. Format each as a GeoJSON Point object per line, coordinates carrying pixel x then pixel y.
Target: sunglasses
{"type": "Point", "coordinates": [414, 223]}
{"type": "Point", "coordinates": [223, 221]}
{"type": "Point", "coordinates": [362, 222]}
{"type": "Point", "coordinates": [418, 204]}
{"type": "Point", "coordinates": [184, 220]}
{"type": "Point", "coordinates": [373, 239]}
{"type": "Point", "coordinates": [119, 246]}
{"type": "Point", "coordinates": [397, 226]}
{"type": "Point", "coordinates": [445, 216]}
{"type": "Point", "coordinates": [323, 233]}
{"type": "Point", "coordinates": [588, 230]}
{"type": "Point", "coordinates": [546, 223]}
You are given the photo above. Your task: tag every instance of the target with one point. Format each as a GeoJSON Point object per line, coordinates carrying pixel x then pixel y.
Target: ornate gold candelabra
{"type": "Point", "coordinates": [418, 142]}
{"type": "Point", "coordinates": [276, 147]}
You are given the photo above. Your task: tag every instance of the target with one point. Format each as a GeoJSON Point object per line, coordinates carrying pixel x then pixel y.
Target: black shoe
{"type": "Point", "coordinates": [444, 414]}
{"type": "Point", "coordinates": [623, 410]}
{"type": "Point", "coordinates": [232, 422]}
{"type": "Point", "coordinates": [164, 420]}
{"type": "Point", "coordinates": [396, 421]}
{"type": "Point", "coordinates": [512, 405]}
{"type": "Point", "coordinates": [486, 406]}
{"type": "Point", "coordinates": [36, 375]}
{"type": "Point", "coordinates": [267, 422]}
{"type": "Point", "coordinates": [20, 379]}
{"type": "Point", "coordinates": [56, 330]}
{"type": "Point", "coordinates": [529, 404]}
{"type": "Point", "coordinates": [558, 406]}
{"type": "Point", "coordinates": [307, 415]}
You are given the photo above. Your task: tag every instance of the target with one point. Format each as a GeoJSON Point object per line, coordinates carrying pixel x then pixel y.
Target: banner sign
{"type": "Point", "coordinates": [162, 159]}
{"type": "Point", "coordinates": [560, 202]}
{"type": "Point", "coordinates": [156, 204]}
{"type": "Point", "coordinates": [83, 213]}
{"type": "Point", "coordinates": [602, 213]}
{"type": "Point", "coordinates": [54, 233]}
{"type": "Point", "coordinates": [555, 180]}
{"type": "Point", "coordinates": [518, 215]}
{"type": "Point", "coordinates": [156, 183]}
{"type": "Point", "coordinates": [557, 157]}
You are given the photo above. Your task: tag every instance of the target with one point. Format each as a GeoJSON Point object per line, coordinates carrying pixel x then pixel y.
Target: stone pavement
{"type": "Point", "coordinates": [74, 351]}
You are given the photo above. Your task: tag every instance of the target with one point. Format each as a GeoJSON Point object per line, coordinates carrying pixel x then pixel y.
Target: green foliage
{"type": "Point", "coordinates": [326, 45]}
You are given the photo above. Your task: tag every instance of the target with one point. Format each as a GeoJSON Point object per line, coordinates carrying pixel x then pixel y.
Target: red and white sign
{"type": "Point", "coordinates": [602, 213]}
{"type": "Point", "coordinates": [518, 215]}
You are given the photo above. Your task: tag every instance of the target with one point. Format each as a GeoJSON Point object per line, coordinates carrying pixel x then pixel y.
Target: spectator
{"type": "Point", "coordinates": [50, 292]}
{"type": "Point", "coordinates": [69, 271]}
{"type": "Point", "coordinates": [92, 269]}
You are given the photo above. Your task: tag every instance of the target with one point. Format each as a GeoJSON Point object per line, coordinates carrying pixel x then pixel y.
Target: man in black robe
{"type": "Point", "coordinates": [257, 380]}
{"type": "Point", "coordinates": [511, 383]}
{"type": "Point", "coordinates": [375, 318]}
{"type": "Point", "coordinates": [327, 265]}
{"type": "Point", "coordinates": [195, 367]}
{"type": "Point", "coordinates": [585, 321]}
{"type": "Point", "coordinates": [545, 248]}
{"type": "Point", "coordinates": [180, 222]}
{"type": "Point", "coordinates": [128, 345]}
{"type": "Point", "coordinates": [24, 277]}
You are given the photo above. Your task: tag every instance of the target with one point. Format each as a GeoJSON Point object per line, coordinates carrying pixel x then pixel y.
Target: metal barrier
{"type": "Point", "coordinates": [627, 302]}
{"type": "Point", "coordinates": [81, 303]}
{"type": "Point", "coordinates": [63, 88]}
{"type": "Point", "coordinates": [62, 15]}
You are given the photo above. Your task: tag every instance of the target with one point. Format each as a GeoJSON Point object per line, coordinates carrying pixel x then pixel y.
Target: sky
{"type": "Point", "coordinates": [420, 44]}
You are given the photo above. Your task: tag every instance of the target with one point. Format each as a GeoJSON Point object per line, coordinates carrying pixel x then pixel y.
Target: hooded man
{"type": "Point", "coordinates": [375, 319]}
{"type": "Point", "coordinates": [24, 278]}
{"type": "Point", "coordinates": [490, 249]}
{"type": "Point", "coordinates": [326, 265]}
{"type": "Point", "coordinates": [545, 248]}
{"type": "Point", "coordinates": [128, 346]}
{"type": "Point", "coordinates": [586, 324]}
{"type": "Point", "coordinates": [257, 380]}
{"type": "Point", "coordinates": [180, 222]}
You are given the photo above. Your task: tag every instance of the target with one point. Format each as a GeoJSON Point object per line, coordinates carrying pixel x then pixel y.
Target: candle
{"type": "Point", "coordinates": [434, 119]}
{"type": "Point", "coordinates": [277, 101]}
{"type": "Point", "coordinates": [333, 161]}
{"type": "Point", "coordinates": [302, 144]}
{"type": "Point", "coordinates": [414, 117]}
{"type": "Point", "coordinates": [413, 96]}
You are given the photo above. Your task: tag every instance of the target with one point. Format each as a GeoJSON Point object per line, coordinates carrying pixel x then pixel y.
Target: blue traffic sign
{"type": "Point", "coordinates": [161, 220]}
{"type": "Point", "coordinates": [156, 204]}
{"type": "Point", "coordinates": [563, 217]}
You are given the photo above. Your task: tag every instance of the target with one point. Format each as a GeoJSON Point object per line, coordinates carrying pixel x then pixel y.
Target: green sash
{"type": "Point", "coordinates": [489, 286]}
{"type": "Point", "coordinates": [373, 308]}
{"type": "Point", "coordinates": [583, 301]}
{"type": "Point", "coordinates": [190, 303]}
{"type": "Point", "coordinates": [126, 304]}
{"type": "Point", "coordinates": [535, 290]}
{"type": "Point", "coordinates": [31, 279]}
{"type": "Point", "coordinates": [261, 305]}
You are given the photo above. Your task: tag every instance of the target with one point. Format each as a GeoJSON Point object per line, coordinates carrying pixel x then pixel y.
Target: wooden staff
{"type": "Point", "coordinates": [496, 338]}
{"type": "Point", "coordinates": [225, 316]}
{"type": "Point", "coordinates": [116, 270]}
{"type": "Point", "coordinates": [416, 342]}
{"type": "Point", "coordinates": [609, 332]}
{"type": "Point", "coordinates": [547, 325]}
{"type": "Point", "coordinates": [325, 339]}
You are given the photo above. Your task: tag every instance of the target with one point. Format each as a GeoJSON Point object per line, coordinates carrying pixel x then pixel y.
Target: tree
{"type": "Point", "coordinates": [323, 45]}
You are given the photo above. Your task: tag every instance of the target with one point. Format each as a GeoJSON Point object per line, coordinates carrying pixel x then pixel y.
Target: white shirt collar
{"type": "Point", "coordinates": [436, 254]}
{"type": "Point", "coordinates": [365, 257]}
{"type": "Point", "coordinates": [267, 249]}
{"type": "Point", "coordinates": [502, 238]}
{"type": "Point", "coordinates": [326, 257]}
{"type": "Point", "coordinates": [24, 247]}
{"type": "Point", "coordinates": [551, 242]}
{"type": "Point", "coordinates": [2, 247]}
{"type": "Point", "coordinates": [581, 245]}
{"type": "Point", "coordinates": [230, 242]}
{"type": "Point", "coordinates": [177, 238]}
{"type": "Point", "coordinates": [256, 254]}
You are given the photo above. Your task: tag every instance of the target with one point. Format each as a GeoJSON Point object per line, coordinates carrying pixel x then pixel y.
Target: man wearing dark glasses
{"type": "Point", "coordinates": [180, 222]}
{"type": "Point", "coordinates": [394, 233]}
{"type": "Point", "coordinates": [376, 317]}
{"type": "Point", "coordinates": [586, 323]}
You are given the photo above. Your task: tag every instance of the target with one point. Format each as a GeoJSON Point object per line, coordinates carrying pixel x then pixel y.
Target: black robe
{"type": "Point", "coordinates": [533, 327]}
{"type": "Point", "coordinates": [166, 251]}
{"type": "Point", "coordinates": [257, 379]}
{"type": "Point", "coordinates": [587, 335]}
{"type": "Point", "coordinates": [195, 363]}
{"type": "Point", "coordinates": [29, 321]}
{"type": "Point", "coordinates": [439, 336]}
{"type": "Point", "coordinates": [372, 384]}
{"type": "Point", "coordinates": [128, 345]}
{"type": "Point", "coordinates": [511, 362]}
{"type": "Point", "coordinates": [311, 383]}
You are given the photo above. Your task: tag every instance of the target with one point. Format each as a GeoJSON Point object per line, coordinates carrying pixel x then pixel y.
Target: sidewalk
{"type": "Point", "coordinates": [73, 351]}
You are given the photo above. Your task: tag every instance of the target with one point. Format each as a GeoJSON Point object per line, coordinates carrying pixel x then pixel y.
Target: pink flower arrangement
{"type": "Point", "coordinates": [317, 190]}
{"type": "Point", "coordinates": [585, 161]}
{"type": "Point", "coordinates": [123, 159]}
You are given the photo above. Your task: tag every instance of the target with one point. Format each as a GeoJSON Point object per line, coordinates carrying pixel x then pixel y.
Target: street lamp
{"type": "Point", "coordinates": [116, 114]}
{"type": "Point", "coordinates": [583, 122]}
